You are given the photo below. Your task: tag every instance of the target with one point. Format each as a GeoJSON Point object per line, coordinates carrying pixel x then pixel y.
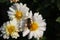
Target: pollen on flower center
{"type": "Point", "coordinates": [18, 15]}
{"type": "Point", "coordinates": [10, 29]}
{"type": "Point", "coordinates": [34, 26]}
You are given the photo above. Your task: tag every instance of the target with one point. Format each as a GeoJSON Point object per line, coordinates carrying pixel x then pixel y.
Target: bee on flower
{"type": "Point", "coordinates": [34, 26]}
{"type": "Point", "coordinates": [10, 28]}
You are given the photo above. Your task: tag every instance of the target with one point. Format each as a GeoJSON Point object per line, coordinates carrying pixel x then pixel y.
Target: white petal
{"type": "Point", "coordinates": [11, 9]}
{"type": "Point", "coordinates": [8, 23]}
{"type": "Point", "coordinates": [36, 14]}
{"type": "Point", "coordinates": [14, 6]}
{"type": "Point", "coordinates": [25, 8]}
{"type": "Point", "coordinates": [21, 4]}
{"type": "Point", "coordinates": [13, 22]}
{"type": "Point", "coordinates": [40, 17]}
{"type": "Point", "coordinates": [11, 16]}
{"type": "Point", "coordinates": [21, 23]}
{"type": "Point", "coordinates": [25, 15]}
{"type": "Point", "coordinates": [10, 13]}
{"type": "Point", "coordinates": [6, 37]}
{"type": "Point", "coordinates": [17, 6]}
{"type": "Point", "coordinates": [3, 32]}
{"type": "Point", "coordinates": [24, 5]}
{"type": "Point", "coordinates": [15, 35]}
{"type": "Point", "coordinates": [41, 33]}
{"type": "Point", "coordinates": [30, 14]}
{"type": "Point", "coordinates": [25, 32]}
{"type": "Point", "coordinates": [35, 17]}
{"type": "Point", "coordinates": [42, 28]}
{"type": "Point", "coordinates": [35, 35]}
{"type": "Point", "coordinates": [1, 28]}
{"type": "Point", "coordinates": [3, 25]}
{"type": "Point", "coordinates": [30, 35]}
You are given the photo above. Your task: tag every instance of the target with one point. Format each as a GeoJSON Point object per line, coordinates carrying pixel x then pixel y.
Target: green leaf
{"type": "Point", "coordinates": [58, 19]}
{"type": "Point", "coordinates": [43, 38]}
{"type": "Point", "coordinates": [2, 1]}
{"type": "Point", "coordinates": [34, 0]}
{"type": "Point", "coordinates": [58, 4]}
{"type": "Point", "coordinates": [34, 38]}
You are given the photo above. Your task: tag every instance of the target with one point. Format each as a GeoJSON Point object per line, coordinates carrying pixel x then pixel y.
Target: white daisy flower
{"type": "Point", "coordinates": [36, 27]}
{"type": "Point", "coordinates": [10, 29]}
{"type": "Point", "coordinates": [18, 11]}
{"type": "Point", "coordinates": [14, 1]}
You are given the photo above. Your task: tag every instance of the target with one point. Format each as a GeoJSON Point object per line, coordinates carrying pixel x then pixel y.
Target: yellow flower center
{"type": "Point", "coordinates": [10, 29]}
{"type": "Point", "coordinates": [18, 15]}
{"type": "Point", "coordinates": [34, 26]}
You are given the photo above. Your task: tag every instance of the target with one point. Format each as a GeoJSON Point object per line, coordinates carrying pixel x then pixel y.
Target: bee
{"type": "Point", "coordinates": [29, 23]}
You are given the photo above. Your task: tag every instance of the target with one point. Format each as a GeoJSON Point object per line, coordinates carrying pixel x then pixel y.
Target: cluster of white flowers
{"type": "Point", "coordinates": [22, 19]}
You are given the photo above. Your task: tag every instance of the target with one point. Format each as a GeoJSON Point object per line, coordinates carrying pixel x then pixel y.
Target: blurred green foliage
{"type": "Point", "coordinates": [43, 38]}
{"type": "Point", "coordinates": [58, 4]}
{"type": "Point", "coordinates": [2, 1]}
{"type": "Point", "coordinates": [58, 19]}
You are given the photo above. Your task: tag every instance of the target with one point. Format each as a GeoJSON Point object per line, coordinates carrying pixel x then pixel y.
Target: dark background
{"type": "Point", "coordinates": [49, 10]}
